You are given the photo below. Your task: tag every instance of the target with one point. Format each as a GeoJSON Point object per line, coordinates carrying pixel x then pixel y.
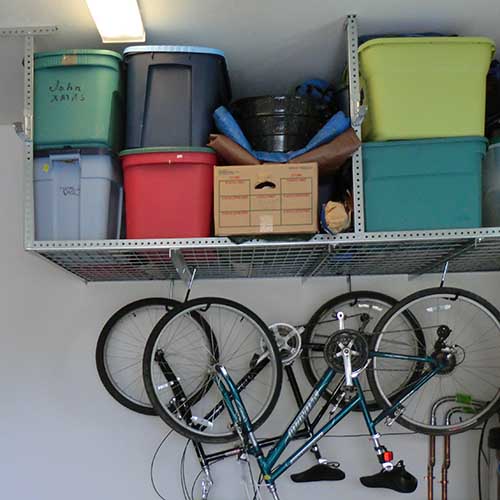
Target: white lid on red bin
{"type": "Point", "coordinates": [185, 49]}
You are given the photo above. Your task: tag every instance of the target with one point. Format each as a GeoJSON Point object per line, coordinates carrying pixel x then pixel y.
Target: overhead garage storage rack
{"type": "Point", "coordinates": [356, 253]}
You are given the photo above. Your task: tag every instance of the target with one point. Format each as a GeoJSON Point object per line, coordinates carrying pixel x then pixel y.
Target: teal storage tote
{"type": "Point", "coordinates": [422, 185]}
{"type": "Point", "coordinates": [78, 195]}
{"type": "Point", "coordinates": [78, 99]}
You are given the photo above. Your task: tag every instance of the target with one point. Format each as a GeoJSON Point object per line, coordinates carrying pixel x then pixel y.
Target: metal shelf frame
{"type": "Point", "coordinates": [355, 253]}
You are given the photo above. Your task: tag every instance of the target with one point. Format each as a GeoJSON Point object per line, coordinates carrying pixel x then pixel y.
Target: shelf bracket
{"type": "Point", "coordinates": [182, 268]}
{"type": "Point", "coordinates": [446, 259]}
{"type": "Point", "coordinates": [319, 265]}
{"type": "Point", "coordinates": [19, 130]}
{"type": "Point", "coordinates": [28, 30]}
{"type": "Point", "coordinates": [357, 112]}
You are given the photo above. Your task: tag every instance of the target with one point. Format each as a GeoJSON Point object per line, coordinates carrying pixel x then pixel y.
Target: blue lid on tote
{"type": "Point", "coordinates": [185, 49]}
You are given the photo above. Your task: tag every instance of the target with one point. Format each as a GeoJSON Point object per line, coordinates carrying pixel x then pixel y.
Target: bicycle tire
{"type": "Point", "coordinates": [413, 299]}
{"type": "Point", "coordinates": [356, 296]}
{"type": "Point", "coordinates": [179, 424]}
{"type": "Point", "coordinates": [112, 387]}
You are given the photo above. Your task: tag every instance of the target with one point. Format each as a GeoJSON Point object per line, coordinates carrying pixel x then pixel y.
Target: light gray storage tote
{"type": "Point", "coordinates": [491, 187]}
{"type": "Point", "coordinates": [78, 195]}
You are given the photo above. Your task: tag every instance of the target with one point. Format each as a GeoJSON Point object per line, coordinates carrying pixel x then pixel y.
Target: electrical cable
{"type": "Point", "coordinates": [480, 452]}
{"type": "Point", "coordinates": [153, 462]}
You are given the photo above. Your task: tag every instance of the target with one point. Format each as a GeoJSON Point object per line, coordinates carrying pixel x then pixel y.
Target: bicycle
{"type": "Point", "coordinates": [237, 384]}
{"type": "Point", "coordinates": [121, 343]}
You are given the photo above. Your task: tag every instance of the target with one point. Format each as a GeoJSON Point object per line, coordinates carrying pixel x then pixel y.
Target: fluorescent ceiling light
{"type": "Point", "coordinates": [117, 20]}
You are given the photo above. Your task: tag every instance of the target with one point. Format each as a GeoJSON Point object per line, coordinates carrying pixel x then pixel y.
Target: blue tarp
{"type": "Point", "coordinates": [228, 126]}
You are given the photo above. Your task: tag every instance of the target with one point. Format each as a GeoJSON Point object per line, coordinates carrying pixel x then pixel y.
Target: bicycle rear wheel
{"type": "Point", "coordinates": [120, 348]}
{"type": "Point", "coordinates": [179, 361]}
{"type": "Point", "coordinates": [362, 311]}
{"type": "Point", "coordinates": [462, 333]}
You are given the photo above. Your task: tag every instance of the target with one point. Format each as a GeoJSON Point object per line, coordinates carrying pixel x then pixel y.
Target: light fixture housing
{"type": "Point", "coordinates": [117, 21]}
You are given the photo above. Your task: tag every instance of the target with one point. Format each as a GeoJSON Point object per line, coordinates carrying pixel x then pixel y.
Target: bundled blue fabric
{"type": "Point", "coordinates": [320, 90]}
{"type": "Point", "coordinates": [228, 126]}
{"type": "Point", "coordinates": [494, 70]}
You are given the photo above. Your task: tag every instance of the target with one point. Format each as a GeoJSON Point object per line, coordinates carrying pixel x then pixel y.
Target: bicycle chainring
{"type": "Point", "coordinates": [358, 345]}
{"type": "Point", "coordinates": [289, 341]}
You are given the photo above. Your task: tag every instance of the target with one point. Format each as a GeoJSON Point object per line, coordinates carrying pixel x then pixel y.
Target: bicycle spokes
{"type": "Point", "coordinates": [462, 342]}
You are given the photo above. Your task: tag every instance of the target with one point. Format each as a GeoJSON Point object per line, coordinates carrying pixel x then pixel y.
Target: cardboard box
{"type": "Point", "coordinates": [273, 198]}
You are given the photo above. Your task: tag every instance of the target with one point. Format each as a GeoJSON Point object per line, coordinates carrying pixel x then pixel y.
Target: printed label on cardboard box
{"type": "Point", "coordinates": [269, 198]}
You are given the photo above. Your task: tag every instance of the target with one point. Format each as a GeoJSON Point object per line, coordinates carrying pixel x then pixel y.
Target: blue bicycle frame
{"type": "Point", "coordinates": [267, 463]}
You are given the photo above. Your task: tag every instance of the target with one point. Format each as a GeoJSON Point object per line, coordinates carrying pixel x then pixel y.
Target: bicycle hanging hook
{"type": "Point", "coordinates": [443, 275]}
{"type": "Point", "coordinates": [190, 285]}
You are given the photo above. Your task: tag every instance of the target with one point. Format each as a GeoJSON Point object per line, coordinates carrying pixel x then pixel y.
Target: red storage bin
{"type": "Point", "coordinates": [168, 192]}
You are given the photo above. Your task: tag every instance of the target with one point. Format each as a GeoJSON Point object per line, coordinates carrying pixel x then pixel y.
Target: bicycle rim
{"type": "Point", "coordinates": [362, 311]}
{"type": "Point", "coordinates": [120, 348]}
{"type": "Point", "coordinates": [179, 362]}
{"type": "Point", "coordinates": [469, 377]}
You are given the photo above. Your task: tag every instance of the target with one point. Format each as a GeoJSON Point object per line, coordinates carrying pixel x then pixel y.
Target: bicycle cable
{"type": "Point", "coordinates": [189, 495]}
{"type": "Point", "coordinates": [194, 483]}
{"type": "Point", "coordinates": [153, 462]}
{"type": "Point", "coordinates": [255, 489]}
{"type": "Point", "coordinates": [182, 472]}
{"type": "Point", "coordinates": [259, 482]}
{"type": "Point", "coordinates": [368, 435]}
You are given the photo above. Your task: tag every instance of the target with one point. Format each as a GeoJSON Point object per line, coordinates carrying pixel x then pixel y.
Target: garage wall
{"type": "Point", "coordinates": [64, 437]}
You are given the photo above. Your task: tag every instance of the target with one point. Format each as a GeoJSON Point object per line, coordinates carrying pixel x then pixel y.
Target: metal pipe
{"type": "Point", "coordinates": [437, 404]}
{"type": "Point", "coordinates": [430, 467]}
{"type": "Point", "coordinates": [447, 446]}
{"type": "Point", "coordinates": [447, 453]}
{"type": "Point", "coordinates": [432, 442]}
{"type": "Point", "coordinates": [445, 467]}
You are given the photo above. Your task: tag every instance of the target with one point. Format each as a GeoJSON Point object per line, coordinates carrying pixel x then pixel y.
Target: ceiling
{"type": "Point", "coordinates": [270, 45]}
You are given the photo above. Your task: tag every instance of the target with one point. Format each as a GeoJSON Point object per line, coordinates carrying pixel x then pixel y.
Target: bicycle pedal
{"type": "Point", "coordinates": [397, 479]}
{"type": "Point", "coordinates": [319, 472]}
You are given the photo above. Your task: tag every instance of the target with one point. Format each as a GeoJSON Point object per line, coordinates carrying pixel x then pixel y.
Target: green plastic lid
{"type": "Point", "coordinates": [140, 151]}
{"type": "Point", "coordinates": [428, 40]}
{"type": "Point", "coordinates": [80, 52]}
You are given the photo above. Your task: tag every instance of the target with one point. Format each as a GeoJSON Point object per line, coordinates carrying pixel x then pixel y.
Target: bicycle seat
{"type": "Point", "coordinates": [320, 472]}
{"type": "Point", "coordinates": [398, 479]}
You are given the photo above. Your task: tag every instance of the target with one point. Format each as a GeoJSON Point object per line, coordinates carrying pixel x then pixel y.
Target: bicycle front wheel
{"type": "Point", "coordinates": [179, 361]}
{"type": "Point", "coordinates": [462, 340]}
